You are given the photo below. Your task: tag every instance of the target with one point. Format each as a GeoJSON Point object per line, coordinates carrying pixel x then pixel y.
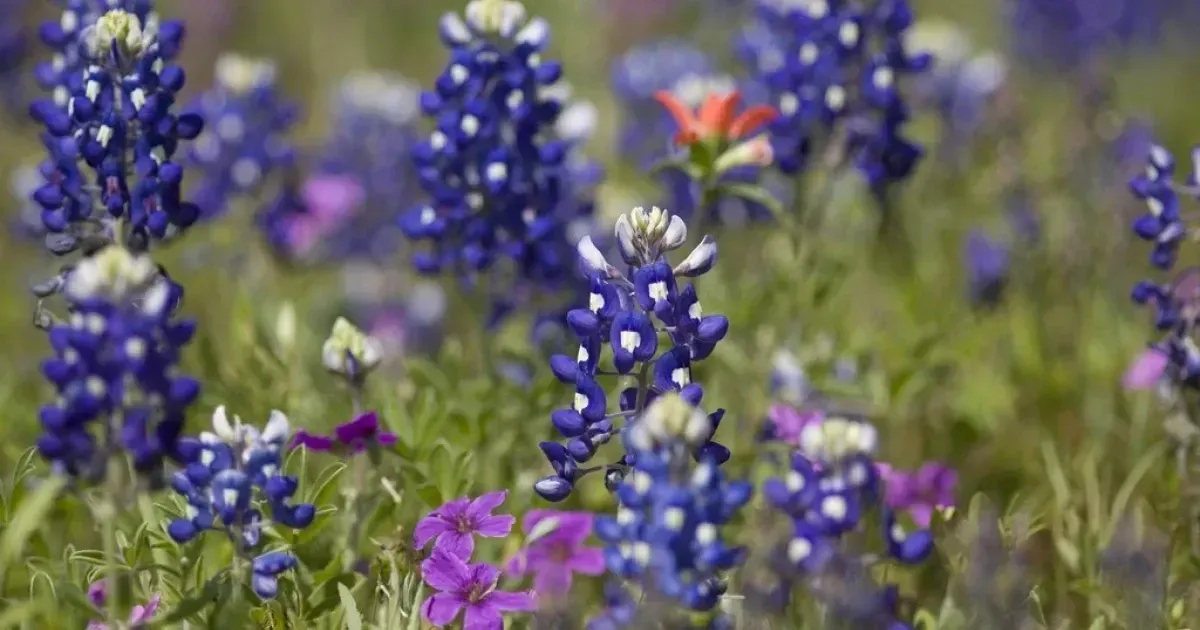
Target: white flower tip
{"type": "Point", "coordinates": [593, 257]}
{"type": "Point", "coordinates": [700, 260]}
{"type": "Point", "coordinates": [675, 235]}
{"type": "Point", "coordinates": [221, 426]}
{"type": "Point", "coordinates": [277, 428]}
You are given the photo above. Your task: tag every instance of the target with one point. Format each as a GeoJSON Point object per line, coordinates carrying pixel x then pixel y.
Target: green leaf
{"type": "Point", "coordinates": [349, 608]}
{"type": "Point", "coordinates": [193, 605]}
{"type": "Point", "coordinates": [73, 595]}
{"type": "Point", "coordinates": [30, 516]}
{"type": "Point", "coordinates": [325, 487]}
{"type": "Point", "coordinates": [430, 495]}
{"type": "Point", "coordinates": [756, 194]}
{"type": "Point", "coordinates": [16, 615]}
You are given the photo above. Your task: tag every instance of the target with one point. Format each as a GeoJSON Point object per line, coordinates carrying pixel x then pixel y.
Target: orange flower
{"type": "Point", "coordinates": [717, 117]}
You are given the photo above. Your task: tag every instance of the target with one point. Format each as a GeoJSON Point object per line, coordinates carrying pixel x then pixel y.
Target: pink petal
{"type": "Point", "coordinates": [142, 614]}
{"type": "Point", "coordinates": [457, 544]}
{"type": "Point", "coordinates": [446, 572]}
{"type": "Point", "coordinates": [452, 510]}
{"type": "Point", "coordinates": [484, 505]}
{"type": "Point", "coordinates": [552, 580]}
{"type": "Point", "coordinates": [573, 527]}
{"type": "Point", "coordinates": [922, 514]}
{"type": "Point", "coordinates": [517, 565]}
{"type": "Point", "coordinates": [483, 616]}
{"type": "Point", "coordinates": [512, 602]}
{"type": "Point", "coordinates": [1146, 371]}
{"type": "Point", "coordinates": [587, 560]}
{"type": "Point", "coordinates": [484, 575]}
{"type": "Point", "coordinates": [319, 443]}
{"type": "Point", "coordinates": [429, 527]}
{"type": "Point", "coordinates": [496, 526]}
{"type": "Point", "coordinates": [332, 198]}
{"type": "Point", "coordinates": [97, 625]}
{"type": "Point", "coordinates": [441, 608]}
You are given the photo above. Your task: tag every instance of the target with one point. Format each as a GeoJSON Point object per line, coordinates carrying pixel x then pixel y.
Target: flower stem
{"type": "Point", "coordinates": [106, 512]}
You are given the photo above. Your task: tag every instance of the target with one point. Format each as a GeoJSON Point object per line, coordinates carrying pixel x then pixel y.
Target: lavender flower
{"type": "Point", "coordinates": [114, 368]}
{"type": "Point", "coordinates": [246, 137]}
{"type": "Point", "coordinates": [786, 423]}
{"type": "Point", "coordinates": [834, 70]}
{"type": "Point", "coordinates": [470, 589]}
{"type": "Point", "coordinates": [140, 615]}
{"type": "Point", "coordinates": [920, 492]}
{"type": "Point", "coordinates": [557, 552]}
{"type": "Point", "coordinates": [114, 86]}
{"type": "Point", "coordinates": [501, 170]}
{"type": "Point", "coordinates": [666, 536]}
{"type": "Point", "coordinates": [233, 473]}
{"type": "Point", "coordinates": [621, 314]}
{"type": "Point", "coordinates": [455, 524]}
{"type": "Point", "coordinates": [355, 436]}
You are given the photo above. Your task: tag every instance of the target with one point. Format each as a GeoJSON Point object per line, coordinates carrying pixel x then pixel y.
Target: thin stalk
{"type": "Point", "coordinates": [106, 512]}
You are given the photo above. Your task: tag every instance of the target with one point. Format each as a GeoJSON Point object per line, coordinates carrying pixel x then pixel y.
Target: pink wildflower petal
{"type": "Point", "coordinates": [319, 443]}
{"type": "Point", "coordinates": [573, 527]}
{"type": "Point", "coordinates": [1146, 370]}
{"type": "Point", "coordinates": [387, 439]}
{"type": "Point", "coordinates": [440, 609]}
{"type": "Point", "coordinates": [922, 514]}
{"type": "Point", "coordinates": [496, 526]}
{"type": "Point", "coordinates": [332, 198]}
{"type": "Point", "coordinates": [484, 575]}
{"type": "Point", "coordinates": [97, 625]}
{"type": "Point", "coordinates": [587, 560]}
{"type": "Point", "coordinates": [429, 527]}
{"type": "Point", "coordinates": [517, 565]}
{"type": "Point", "coordinates": [142, 614]}
{"type": "Point", "coordinates": [362, 428]}
{"type": "Point", "coordinates": [453, 510]}
{"type": "Point", "coordinates": [512, 602]}
{"type": "Point", "coordinates": [484, 505]}
{"type": "Point", "coordinates": [446, 572]}
{"type": "Point", "coordinates": [457, 544]}
{"type": "Point", "coordinates": [553, 580]}
{"type": "Point", "coordinates": [483, 616]}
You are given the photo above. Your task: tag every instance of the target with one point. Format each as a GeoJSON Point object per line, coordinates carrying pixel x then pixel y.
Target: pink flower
{"type": "Point", "coordinates": [920, 492]}
{"type": "Point", "coordinates": [1146, 370]}
{"type": "Point", "coordinates": [354, 436]}
{"type": "Point", "coordinates": [787, 422]}
{"type": "Point", "coordinates": [331, 199]}
{"type": "Point", "coordinates": [140, 615]}
{"type": "Point", "coordinates": [469, 587]}
{"type": "Point", "coordinates": [553, 558]}
{"type": "Point", "coordinates": [455, 524]}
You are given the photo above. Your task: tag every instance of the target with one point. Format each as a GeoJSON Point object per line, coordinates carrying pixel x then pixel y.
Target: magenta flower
{"type": "Point", "coordinates": [920, 492]}
{"type": "Point", "coordinates": [1147, 370]}
{"type": "Point", "coordinates": [787, 422]}
{"type": "Point", "coordinates": [472, 587]}
{"type": "Point", "coordinates": [354, 436]}
{"type": "Point", "coordinates": [553, 558]}
{"type": "Point", "coordinates": [98, 594]}
{"type": "Point", "coordinates": [331, 199]}
{"type": "Point", "coordinates": [455, 524]}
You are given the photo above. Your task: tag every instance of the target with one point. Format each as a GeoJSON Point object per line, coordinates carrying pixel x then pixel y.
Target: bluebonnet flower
{"type": "Point", "coordinates": [831, 487]}
{"type": "Point", "coordinates": [234, 483]}
{"type": "Point", "coordinates": [245, 138]}
{"type": "Point", "coordinates": [1161, 224]}
{"type": "Point", "coordinates": [114, 368]}
{"type": "Point", "coordinates": [666, 535]}
{"type": "Point", "coordinates": [111, 130]}
{"type": "Point", "coordinates": [500, 169]}
{"type": "Point", "coordinates": [834, 70]}
{"type": "Point", "coordinates": [13, 50]}
{"type": "Point", "coordinates": [628, 313]}
{"type": "Point", "coordinates": [987, 262]}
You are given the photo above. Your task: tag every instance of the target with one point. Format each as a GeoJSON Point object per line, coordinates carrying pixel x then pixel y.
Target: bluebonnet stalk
{"type": "Point", "coordinates": [834, 69]}
{"type": "Point", "coordinates": [832, 486]}
{"type": "Point", "coordinates": [500, 168]}
{"type": "Point", "coordinates": [111, 129]}
{"type": "Point", "coordinates": [13, 50]}
{"type": "Point", "coordinates": [666, 536]}
{"type": "Point", "coordinates": [245, 138]}
{"type": "Point", "coordinates": [114, 369]}
{"type": "Point", "coordinates": [622, 313]}
{"type": "Point", "coordinates": [234, 483]}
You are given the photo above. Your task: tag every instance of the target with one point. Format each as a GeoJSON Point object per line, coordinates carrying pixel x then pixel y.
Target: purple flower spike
{"type": "Point", "coordinates": [354, 436]}
{"type": "Point", "coordinates": [920, 492]}
{"type": "Point", "coordinates": [470, 587]}
{"type": "Point", "coordinates": [787, 422]}
{"type": "Point", "coordinates": [554, 557]}
{"type": "Point", "coordinates": [455, 523]}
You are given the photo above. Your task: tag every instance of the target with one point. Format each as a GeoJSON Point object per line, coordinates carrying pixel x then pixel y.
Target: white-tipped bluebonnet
{"type": "Point", "coordinates": [111, 126]}
{"type": "Point", "coordinates": [666, 536]}
{"type": "Point", "coordinates": [234, 483]}
{"type": "Point", "coordinates": [1161, 224]}
{"type": "Point", "coordinates": [834, 69]}
{"type": "Point", "coordinates": [115, 368]}
{"type": "Point", "coordinates": [245, 138]}
{"type": "Point", "coordinates": [829, 490]}
{"type": "Point", "coordinates": [502, 170]}
{"type": "Point", "coordinates": [653, 328]}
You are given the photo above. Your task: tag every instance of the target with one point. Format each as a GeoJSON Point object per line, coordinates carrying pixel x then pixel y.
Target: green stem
{"type": "Point", "coordinates": [708, 199]}
{"type": "Point", "coordinates": [106, 512]}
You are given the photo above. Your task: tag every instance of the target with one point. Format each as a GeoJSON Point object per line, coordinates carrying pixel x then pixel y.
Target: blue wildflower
{"type": "Point", "coordinates": [114, 368]}
{"type": "Point", "coordinates": [501, 169]}
{"type": "Point", "coordinates": [13, 50]}
{"type": "Point", "coordinates": [628, 313]}
{"type": "Point", "coordinates": [834, 70]}
{"type": "Point", "coordinates": [987, 263]}
{"type": "Point", "coordinates": [234, 483]}
{"type": "Point", "coordinates": [111, 129]}
{"type": "Point", "coordinates": [245, 139]}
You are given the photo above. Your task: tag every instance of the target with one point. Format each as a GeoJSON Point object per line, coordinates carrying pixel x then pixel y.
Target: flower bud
{"type": "Point", "coordinates": [756, 151]}
{"type": "Point", "coordinates": [495, 17]}
{"type": "Point", "coordinates": [351, 352]}
{"type": "Point", "coordinates": [670, 418]}
{"type": "Point", "coordinates": [120, 31]}
{"type": "Point", "coordinates": [700, 261]}
{"type": "Point", "coordinates": [114, 273]}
